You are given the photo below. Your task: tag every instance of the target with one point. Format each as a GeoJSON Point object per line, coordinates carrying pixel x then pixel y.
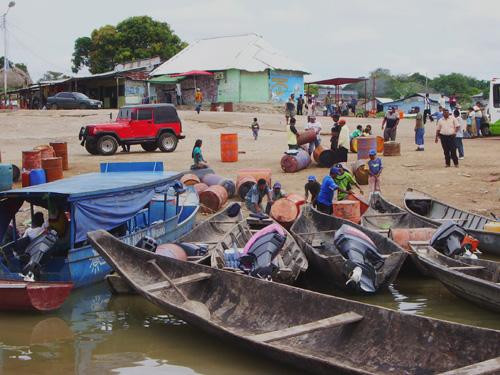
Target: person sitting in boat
{"type": "Point", "coordinates": [38, 226]}
{"type": "Point", "coordinates": [276, 194]}
{"type": "Point", "coordinates": [198, 160]}
{"type": "Point", "coordinates": [344, 180]}
{"type": "Point", "coordinates": [253, 199]}
{"type": "Point", "coordinates": [58, 222]}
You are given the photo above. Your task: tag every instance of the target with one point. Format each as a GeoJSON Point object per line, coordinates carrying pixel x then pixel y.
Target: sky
{"type": "Point", "coordinates": [331, 38]}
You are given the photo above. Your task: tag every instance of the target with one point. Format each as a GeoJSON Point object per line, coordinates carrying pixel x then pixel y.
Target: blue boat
{"type": "Point", "coordinates": [132, 202]}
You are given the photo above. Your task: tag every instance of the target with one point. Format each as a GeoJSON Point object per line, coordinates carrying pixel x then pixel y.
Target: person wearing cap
{"type": "Point", "coordinates": [345, 181]}
{"type": "Point", "coordinates": [374, 171]}
{"type": "Point", "coordinates": [324, 201]}
{"type": "Point", "coordinates": [312, 187]}
{"type": "Point", "coordinates": [276, 193]}
{"type": "Point", "coordinates": [253, 199]}
{"type": "Point", "coordinates": [198, 99]}
{"type": "Point", "coordinates": [390, 121]}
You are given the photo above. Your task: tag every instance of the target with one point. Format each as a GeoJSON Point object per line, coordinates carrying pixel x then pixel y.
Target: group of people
{"type": "Point", "coordinates": [341, 107]}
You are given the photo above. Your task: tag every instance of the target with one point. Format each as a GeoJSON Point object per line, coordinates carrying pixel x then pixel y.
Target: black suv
{"type": "Point", "coordinates": [72, 100]}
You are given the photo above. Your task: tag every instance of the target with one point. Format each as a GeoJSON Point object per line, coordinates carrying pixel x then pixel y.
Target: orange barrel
{"type": "Point", "coordinates": [212, 199]}
{"type": "Point", "coordinates": [32, 159]}
{"type": "Point", "coordinates": [200, 187]}
{"type": "Point", "coordinates": [298, 199]}
{"type": "Point", "coordinates": [401, 114]}
{"type": "Point", "coordinates": [190, 179]}
{"type": "Point", "coordinates": [228, 107]}
{"type": "Point", "coordinates": [360, 170]}
{"type": "Point", "coordinates": [307, 136]}
{"type": "Point", "coordinates": [53, 168]}
{"type": "Point", "coordinates": [317, 152]}
{"type": "Point", "coordinates": [284, 211]}
{"type": "Point", "coordinates": [354, 144]}
{"type": "Point", "coordinates": [380, 144]}
{"type": "Point", "coordinates": [212, 179]}
{"type": "Point", "coordinates": [172, 250]}
{"type": "Point", "coordinates": [244, 185]}
{"type": "Point", "coordinates": [46, 150]}
{"type": "Point", "coordinates": [61, 150]}
{"type": "Point", "coordinates": [229, 186]}
{"type": "Point", "coordinates": [392, 148]}
{"type": "Point", "coordinates": [327, 158]}
{"type": "Point", "coordinates": [295, 163]}
{"type": "Point", "coordinates": [365, 144]}
{"type": "Point", "coordinates": [363, 204]}
{"type": "Point", "coordinates": [25, 178]}
{"type": "Point", "coordinates": [403, 236]}
{"type": "Point", "coordinates": [348, 210]}
{"type": "Point", "coordinates": [229, 147]}
{"type": "Point", "coordinates": [256, 173]}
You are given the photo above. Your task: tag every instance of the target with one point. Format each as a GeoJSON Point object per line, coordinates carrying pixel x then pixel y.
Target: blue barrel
{"type": "Point", "coordinates": [295, 163]}
{"type": "Point", "coordinates": [229, 186]}
{"type": "Point", "coordinates": [37, 177]}
{"type": "Point", "coordinates": [5, 177]}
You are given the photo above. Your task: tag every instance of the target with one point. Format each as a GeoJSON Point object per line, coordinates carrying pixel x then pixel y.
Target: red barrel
{"type": "Point", "coordinates": [32, 159]}
{"type": "Point", "coordinates": [348, 210]}
{"type": "Point", "coordinates": [25, 178]}
{"type": "Point", "coordinates": [256, 173]}
{"type": "Point", "coordinates": [46, 150]}
{"type": "Point", "coordinates": [228, 107]}
{"type": "Point", "coordinates": [229, 147]}
{"type": "Point", "coordinates": [212, 179]}
{"type": "Point", "coordinates": [284, 211]}
{"type": "Point", "coordinates": [172, 250]}
{"type": "Point", "coordinates": [363, 204]}
{"type": "Point", "coordinates": [53, 168]}
{"type": "Point", "coordinates": [306, 137]}
{"type": "Point", "coordinates": [403, 236]}
{"type": "Point", "coordinates": [298, 199]}
{"type": "Point", "coordinates": [212, 199]}
{"type": "Point", "coordinates": [190, 179]}
{"type": "Point", "coordinates": [244, 185]}
{"type": "Point", "coordinates": [200, 187]}
{"type": "Point", "coordinates": [61, 150]}
{"type": "Point", "coordinates": [295, 163]}
{"type": "Point", "coordinates": [364, 145]}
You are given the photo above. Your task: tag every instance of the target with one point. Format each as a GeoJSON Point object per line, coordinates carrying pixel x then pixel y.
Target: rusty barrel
{"type": "Point", "coordinates": [244, 185]}
{"type": "Point", "coordinates": [305, 137]}
{"type": "Point", "coordinates": [298, 199]}
{"type": "Point", "coordinates": [53, 168]}
{"type": "Point", "coordinates": [25, 178]}
{"type": "Point", "coordinates": [230, 187]}
{"type": "Point", "coordinates": [256, 173]}
{"type": "Point", "coordinates": [228, 107]}
{"type": "Point", "coordinates": [294, 163]}
{"type": "Point", "coordinates": [364, 145]}
{"type": "Point", "coordinates": [229, 147]}
{"type": "Point", "coordinates": [61, 150]}
{"type": "Point", "coordinates": [380, 144]}
{"type": "Point", "coordinates": [363, 204]}
{"type": "Point", "coordinates": [190, 179]}
{"type": "Point", "coordinates": [212, 179]}
{"type": "Point", "coordinates": [284, 211]}
{"type": "Point", "coordinates": [32, 159]}
{"type": "Point", "coordinates": [171, 250]}
{"type": "Point", "coordinates": [392, 148]}
{"type": "Point", "coordinates": [200, 187]}
{"type": "Point", "coordinates": [403, 236]}
{"type": "Point", "coordinates": [46, 151]}
{"type": "Point", "coordinates": [360, 170]}
{"type": "Point", "coordinates": [348, 210]}
{"type": "Point", "coordinates": [317, 152]}
{"type": "Point", "coordinates": [212, 199]}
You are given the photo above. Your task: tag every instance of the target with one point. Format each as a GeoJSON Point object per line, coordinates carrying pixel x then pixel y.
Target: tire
{"type": "Point", "coordinates": [16, 173]}
{"type": "Point", "coordinates": [91, 148]}
{"type": "Point", "coordinates": [107, 145]}
{"type": "Point", "coordinates": [83, 106]}
{"type": "Point", "coordinates": [167, 142]}
{"type": "Point", "coordinates": [54, 107]}
{"type": "Point", "coordinates": [149, 146]}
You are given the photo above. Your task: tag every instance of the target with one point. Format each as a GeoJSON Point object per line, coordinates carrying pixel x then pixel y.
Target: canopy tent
{"type": "Point", "coordinates": [165, 79]}
{"type": "Point", "coordinates": [337, 82]}
{"type": "Point", "coordinates": [192, 73]}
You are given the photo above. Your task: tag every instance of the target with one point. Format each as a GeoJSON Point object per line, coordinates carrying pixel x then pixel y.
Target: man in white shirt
{"type": "Point", "coordinates": [316, 126]}
{"type": "Point", "coordinates": [446, 131]}
{"type": "Point", "coordinates": [442, 101]}
{"type": "Point", "coordinates": [343, 143]}
{"type": "Point", "coordinates": [38, 226]}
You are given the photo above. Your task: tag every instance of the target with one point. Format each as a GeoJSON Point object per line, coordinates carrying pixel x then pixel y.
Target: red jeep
{"type": "Point", "coordinates": [150, 125]}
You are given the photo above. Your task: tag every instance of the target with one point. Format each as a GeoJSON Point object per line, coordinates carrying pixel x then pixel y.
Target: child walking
{"type": "Point", "coordinates": [374, 171]}
{"type": "Point", "coordinates": [255, 128]}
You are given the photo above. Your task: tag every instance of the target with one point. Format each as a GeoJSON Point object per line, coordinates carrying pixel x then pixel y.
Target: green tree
{"type": "Point", "coordinates": [461, 85]}
{"type": "Point", "coordinates": [52, 76]}
{"type": "Point", "coordinates": [134, 38]}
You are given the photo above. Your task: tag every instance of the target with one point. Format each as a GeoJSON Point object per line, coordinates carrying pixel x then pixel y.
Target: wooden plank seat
{"type": "Point", "coordinates": [490, 366]}
{"type": "Point", "coordinates": [333, 321]}
{"type": "Point", "coordinates": [467, 268]}
{"type": "Point", "coordinates": [179, 281]}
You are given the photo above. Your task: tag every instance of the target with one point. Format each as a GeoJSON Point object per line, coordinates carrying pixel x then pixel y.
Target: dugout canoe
{"type": "Point", "coordinates": [476, 280]}
{"type": "Point", "coordinates": [315, 332]}
{"type": "Point", "coordinates": [314, 231]}
{"type": "Point", "coordinates": [436, 212]}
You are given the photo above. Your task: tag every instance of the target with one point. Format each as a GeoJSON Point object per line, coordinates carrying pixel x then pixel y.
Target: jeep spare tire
{"type": "Point", "coordinates": [149, 146]}
{"type": "Point", "coordinates": [107, 145]}
{"type": "Point", "coordinates": [167, 142]}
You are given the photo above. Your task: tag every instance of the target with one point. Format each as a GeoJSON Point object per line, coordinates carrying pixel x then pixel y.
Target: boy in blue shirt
{"type": "Point", "coordinates": [374, 171]}
{"type": "Point", "coordinates": [324, 201]}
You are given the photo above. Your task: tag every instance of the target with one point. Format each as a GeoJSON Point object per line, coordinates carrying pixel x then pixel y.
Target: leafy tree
{"type": "Point", "coordinates": [134, 38]}
{"type": "Point", "coordinates": [52, 76]}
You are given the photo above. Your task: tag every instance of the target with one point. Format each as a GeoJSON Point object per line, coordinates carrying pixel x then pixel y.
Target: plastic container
{"type": "Point", "coordinates": [256, 173]}
{"type": "Point", "coordinates": [284, 211]}
{"type": "Point", "coordinates": [61, 150]}
{"type": "Point", "coordinates": [200, 187]}
{"type": "Point", "coordinates": [403, 236]}
{"type": "Point", "coordinates": [295, 163]}
{"type": "Point", "coordinates": [190, 179]}
{"type": "Point", "coordinates": [32, 159]}
{"type": "Point", "coordinates": [364, 145]}
{"type": "Point", "coordinates": [53, 168]}
{"type": "Point", "coordinates": [229, 147]}
{"type": "Point", "coordinates": [348, 210]}
{"type": "Point", "coordinates": [37, 177]}
{"type": "Point", "coordinates": [492, 226]}
{"type": "Point", "coordinates": [212, 199]}
{"type": "Point", "coordinates": [212, 179]}
{"type": "Point", "coordinates": [230, 187]}
{"type": "Point", "coordinates": [244, 185]}
{"type": "Point", "coordinates": [392, 148]}
{"type": "Point", "coordinates": [5, 177]}
{"type": "Point", "coordinates": [305, 137]}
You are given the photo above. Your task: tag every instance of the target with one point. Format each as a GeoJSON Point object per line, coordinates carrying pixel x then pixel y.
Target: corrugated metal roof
{"type": "Point", "coordinates": [245, 52]}
{"type": "Point", "coordinates": [384, 100]}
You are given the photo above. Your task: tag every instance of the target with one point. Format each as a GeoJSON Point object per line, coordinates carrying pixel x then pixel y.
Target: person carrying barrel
{"type": "Point", "coordinates": [253, 199]}
{"type": "Point", "coordinates": [345, 181]}
{"type": "Point", "coordinates": [374, 171]}
{"type": "Point", "coordinates": [312, 124]}
{"type": "Point", "coordinates": [291, 134]}
{"type": "Point", "coordinates": [324, 201]}
{"type": "Point", "coordinates": [277, 193]}
{"type": "Point", "coordinates": [312, 187]}
{"type": "Point", "coordinates": [390, 122]}
{"type": "Point", "coordinates": [198, 160]}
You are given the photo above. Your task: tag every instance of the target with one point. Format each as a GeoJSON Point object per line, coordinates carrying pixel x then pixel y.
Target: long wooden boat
{"type": "Point", "coordinates": [315, 332]}
{"type": "Point", "coordinates": [314, 231]}
{"type": "Point", "coordinates": [433, 211]}
{"type": "Point", "coordinates": [20, 295]}
{"type": "Point", "coordinates": [476, 280]}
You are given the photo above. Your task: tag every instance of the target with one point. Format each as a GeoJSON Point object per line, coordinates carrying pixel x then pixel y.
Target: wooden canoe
{"type": "Point", "coordinates": [20, 295]}
{"type": "Point", "coordinates": [476, 280]}
{"type": "Point", "coordinates": [314, 230]}
{"type": "Point", "coordinates": [435, 212]}
{"type": "Point", "coordinates": [315, 332]}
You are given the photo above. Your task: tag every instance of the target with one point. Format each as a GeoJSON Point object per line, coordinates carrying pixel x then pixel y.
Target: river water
{"type": "Point", "coordinates": [97, 333]}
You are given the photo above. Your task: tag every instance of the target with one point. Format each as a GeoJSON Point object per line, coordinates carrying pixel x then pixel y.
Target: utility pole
{"type": "Point", "coordinates": [5, 60]}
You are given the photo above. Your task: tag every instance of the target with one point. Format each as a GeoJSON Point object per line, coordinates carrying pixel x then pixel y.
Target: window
{"type": "Point", "coordinates": [66, 95]}
{"type": "Point", "coordinates": [165, 114]}
{"type": "Point", "coordinates": [124, 113]}
{"type": "Point", "coordinates": [79, 95]}
{"type": "Point", "coordinates": [496, 95]}
{"type": "Point", "coordinates": [144, 114]}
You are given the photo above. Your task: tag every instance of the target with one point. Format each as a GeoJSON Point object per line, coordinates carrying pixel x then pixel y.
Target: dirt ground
{"type": "Point", "coordinates": [467, 187]}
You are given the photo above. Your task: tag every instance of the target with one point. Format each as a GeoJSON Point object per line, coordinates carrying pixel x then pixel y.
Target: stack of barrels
{"type": "Point", "coordinates": [215, 195]}
{"type": "Point", "coordinates": [44, 163]}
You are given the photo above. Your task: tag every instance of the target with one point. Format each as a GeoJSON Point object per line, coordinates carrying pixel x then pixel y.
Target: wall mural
{"type": "Point", "coordinates": [283, 84]}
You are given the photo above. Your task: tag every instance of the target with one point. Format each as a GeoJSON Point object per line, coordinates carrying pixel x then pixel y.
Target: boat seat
{"type": "Point", "coordinates": [467, 268]}
{"type": "Point", "coordinates": [490, 366]}
{"type": "Point", "coordinates": [178, 282]}
{"type": "Point", "coordinates": [302, 329]}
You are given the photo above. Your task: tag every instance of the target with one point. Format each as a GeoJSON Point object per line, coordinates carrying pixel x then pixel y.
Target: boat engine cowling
{"type": "Point", "coordinates": [258, 260]}
{"type": "Point", "coordinates": [362, 258]}
{"type": "Point", "coordinates": [448, 239]}
{"type": "Point", "coordinates": [40, 249]}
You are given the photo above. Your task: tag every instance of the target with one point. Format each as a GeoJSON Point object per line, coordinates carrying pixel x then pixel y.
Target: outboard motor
{"type": "Point", "coordinates": [448, 239]}
{"type": "Point", "coordinates": [38, 251]}
{"type": "Point", "coordinates": [194, 250]}
{"type": "Point", "coordinates": [147, 243]}
{"type": "Point", "coordinates": [363, 259]}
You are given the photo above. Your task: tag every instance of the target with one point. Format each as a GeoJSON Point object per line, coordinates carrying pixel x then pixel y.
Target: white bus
{"type": "Point", "coordinates": [494, 106]}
